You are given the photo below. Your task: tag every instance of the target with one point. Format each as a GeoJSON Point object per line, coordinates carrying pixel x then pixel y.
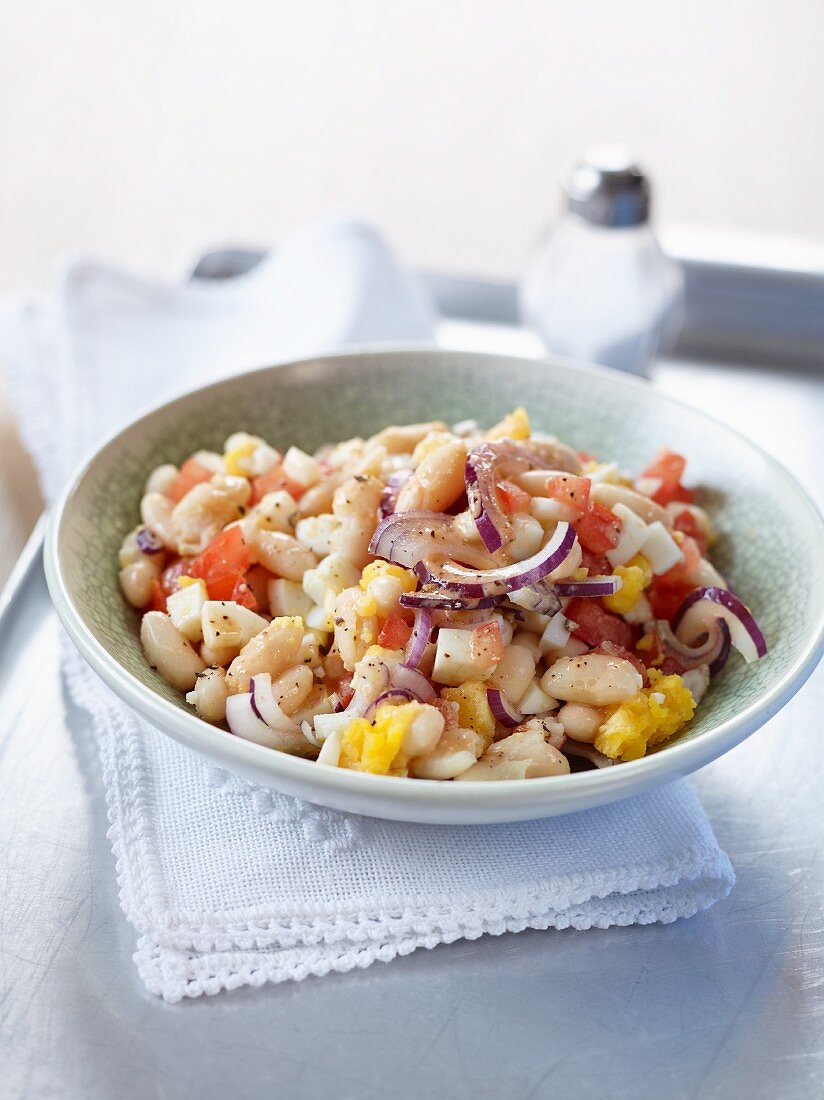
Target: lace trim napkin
{"type": "Point", "coordinates": [230, 884]}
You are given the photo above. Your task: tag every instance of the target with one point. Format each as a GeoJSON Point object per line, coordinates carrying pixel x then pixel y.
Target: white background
{"type": "Point", "coordinates": [141, 131]}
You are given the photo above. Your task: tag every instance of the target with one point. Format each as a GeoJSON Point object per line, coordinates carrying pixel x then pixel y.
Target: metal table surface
{"type": "Point", "coordinates": [727, 1004]}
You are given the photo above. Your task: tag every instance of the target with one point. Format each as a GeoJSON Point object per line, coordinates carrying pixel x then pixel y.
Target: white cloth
{"type": "Point", "coordinates": [231, 884]}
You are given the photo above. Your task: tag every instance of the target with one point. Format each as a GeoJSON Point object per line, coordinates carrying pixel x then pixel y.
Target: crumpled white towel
{"type": "Point", "coordinates": [230, 884]}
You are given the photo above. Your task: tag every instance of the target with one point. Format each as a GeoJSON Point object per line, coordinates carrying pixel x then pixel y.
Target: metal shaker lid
{"type": "Point", "coordinates": [606, 187]}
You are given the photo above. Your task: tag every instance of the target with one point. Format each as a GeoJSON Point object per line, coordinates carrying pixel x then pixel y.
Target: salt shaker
{"type": "Point", "coordinates": [599, 288]}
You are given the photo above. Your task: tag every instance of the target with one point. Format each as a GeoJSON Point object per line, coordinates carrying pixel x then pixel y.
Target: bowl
{"type": "Point", "coordinates": [770, 545]}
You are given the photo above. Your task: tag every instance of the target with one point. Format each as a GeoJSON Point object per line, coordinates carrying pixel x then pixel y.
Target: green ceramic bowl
{"type": "Point", "coordinates": [770, 545]}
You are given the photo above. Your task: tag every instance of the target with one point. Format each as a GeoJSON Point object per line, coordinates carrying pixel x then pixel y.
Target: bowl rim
{"type": "Point", "coordinates": [678, 759]}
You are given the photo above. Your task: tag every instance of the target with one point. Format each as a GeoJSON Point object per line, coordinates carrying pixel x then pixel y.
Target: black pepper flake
{"type": "Point", "coordinates": [338, 622]}
{"type": "Point", "coordinates": [360, 477]}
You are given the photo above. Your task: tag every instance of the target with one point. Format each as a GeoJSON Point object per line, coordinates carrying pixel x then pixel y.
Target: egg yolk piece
{"type": "Point", "coordinates": [651, 716]}
{"type": "Point", "coordinates": [376, 746]}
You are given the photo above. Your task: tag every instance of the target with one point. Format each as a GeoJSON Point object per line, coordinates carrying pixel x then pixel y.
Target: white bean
{"type": "Point", "coordinates": [455, 753]}
{"type": "Point", "coordinates": [291, 688]}
{"type": "Point", "coordinates": [315, 533]}
{"type": "Point", "coordinates": [161, 479]}
{"type": "Point", "coordinates": [156, 511]}
{"type": "Point", "coordinates": [206, 509]}
{"type": "Point", "coordinates": [513, 673]}
{"type": "Point", "coordinates": [209, 695]}
{"type": "Point", "coordinates": [356, 506]}
{"type": "Point", "coordinates": [137, 581]}
{"type": "Point", "coordinates": [424, 732]}
{"type": "Point", "coordinates": [528, 536]}
{"type": "Point", "coordinates": [353, 634]}
{"type": "Point", "coordinates": [168, 651]}
{"type": "Point", "coordinates": [404, 439]}
{"type": "Point", "coordinates": [594, 678]}
{"type": "Point", "coordinates": [523, 755]}
{"type": "Point", "coordinates": [130, 552]}
{"type": "Point", "coordinates": [580, 722]}
{"type": "Point", "coordinates": [319, 498]}
{"type": "Point", "coordinates": [437, 482]}
{"type": "Point", "coordinates": [555, 454]}
{"type": "Point", "coordinates": [273, 650]}
{"type": "Point", "coordinates": [283, 555]}
{"type": "Point", "coordinates": [568, 566]}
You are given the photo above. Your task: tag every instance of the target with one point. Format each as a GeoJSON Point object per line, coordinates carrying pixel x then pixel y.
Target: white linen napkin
{"type": "Point", "coordinates": [231, 884]}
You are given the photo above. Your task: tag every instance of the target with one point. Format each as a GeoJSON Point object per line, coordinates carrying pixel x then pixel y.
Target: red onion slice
{"type": "Point", "coordinates": [419, 638]}
{"type": "Point", "coordinates": [148, 542]}
{"type": "Point", "coordinates": [245, 722]}
{"type": "Point", "coordinates": [714, 651]}
{"type": "Point", "coordinates": [486, 465]}
{"type": "Point", "coordinates": [436, 600]}
{"type": "Point", "coordinates": [507, 578]}
{"type": "Point", "coordinates": [368, 690]}
{"type": "Point", "coordinates": [502, 709]}
{"type": "Point", "coordinates": [704, 605]}
{"type": "Point", "coordinates": [589, 586]}
{"type": "Point", "coordinates": [541, 597]}
{"type": "Point", "coordinates": [406, 537]}
{"type": "Point", "coordinates": [389, 497]}
{"type": "Point", "coordinates": [265, 706]}
{"type": "Point", "coordinates": [392, 693]}
{"type": "Point", "coordinates": [410, 679]}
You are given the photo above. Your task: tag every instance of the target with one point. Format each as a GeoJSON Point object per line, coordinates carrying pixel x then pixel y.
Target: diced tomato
{"type": "Point", "coordinates": [597, 625]}
{"type": "Point", "coordinates": [224, 586]}
{"type": "Point", "coordinates": [395, 633]}
{"type": "Point", "coordinates": [683, 572]}
{"type": "Point", "coordinates": [668, 590]}
{"type": "Point", "coordinates": [571, 491]}
{"type": "Point", "coordinates": [669, 468]}
{"type": "Point", "coordinates": [486, 645]}
{"type": "Point", "coordinates": [687, 524]}
{"type": "Point", "coordinates": [672, 666]}
{"type": "Point", "coordinates": [585, 456]}
{"type": "Point", "coordinates": [598, 529]}
{"type": "Point", "coordinates": [666, 599]}
{"type": "Point", "coordinates": [257, 578]}
{"type": "Point", "coordinates": [512, 497]}
{"type": "Point", "coordinates": [158, 600]}
{"type": "Point", "coordinates": [223, 565]}
{"type": "Point", "coordinates": [169, 578]}
{"type": "Point", "coordinates": [244, 595]}
{"type": "Point", "coordinates": [227, 553]}
{"type": "Point", "coordinates": [191, 473]}
{"type": "Point", "coordinates": [613, 650]}
{"type": "Point", "coordinates": [595, 564]}
{"type": "Point", "coordinates": [277, 478]}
